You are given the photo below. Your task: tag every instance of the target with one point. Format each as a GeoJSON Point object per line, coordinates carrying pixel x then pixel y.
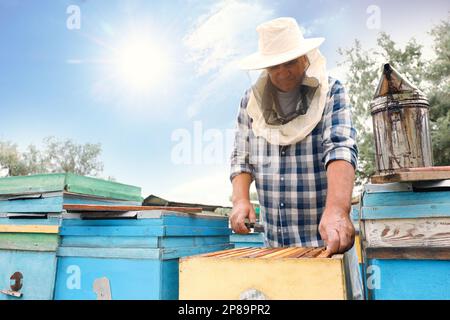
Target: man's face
{"type": "Point", "coordinates": [287, 76]}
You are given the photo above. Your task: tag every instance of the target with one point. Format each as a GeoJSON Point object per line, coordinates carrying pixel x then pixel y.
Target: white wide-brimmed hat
{"type": "Point", "coordinates": [280, 41]}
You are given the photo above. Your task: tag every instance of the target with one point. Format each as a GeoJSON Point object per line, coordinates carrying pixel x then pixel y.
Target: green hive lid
{"type": "Point", "coordinates": [68, 182]}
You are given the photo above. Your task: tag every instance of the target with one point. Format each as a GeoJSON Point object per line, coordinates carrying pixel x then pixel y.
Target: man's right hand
{"type": "Point", "coordinates": [242, 210]}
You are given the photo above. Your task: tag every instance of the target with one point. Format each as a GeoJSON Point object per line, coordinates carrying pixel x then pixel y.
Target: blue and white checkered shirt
{"type": "Point", "coordinates": [291, 180]}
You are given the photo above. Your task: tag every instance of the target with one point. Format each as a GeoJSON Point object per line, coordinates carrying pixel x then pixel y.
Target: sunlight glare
{"type": "Point", "coordinates": [141, 64]}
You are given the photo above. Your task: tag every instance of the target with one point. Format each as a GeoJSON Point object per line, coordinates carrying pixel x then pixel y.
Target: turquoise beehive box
{"type": "Point", "coordinates": [132, 255]}
{"type": "Point", "coordinates": [253, 240]}
{"type": "Point", "coordinates": [28, 246]}
{"type": "Point", "coordinates": [405, 229]}
{"type": "Point", "coordinates": [31, 210]}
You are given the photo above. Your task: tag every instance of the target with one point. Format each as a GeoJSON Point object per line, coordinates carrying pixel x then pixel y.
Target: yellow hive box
{"type": "Point", "coordinates": [265, 273]}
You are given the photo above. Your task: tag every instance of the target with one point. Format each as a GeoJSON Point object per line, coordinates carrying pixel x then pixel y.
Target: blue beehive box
{"type": "Point", "coordinates": [405, 228]}
{"type": "Point", "coordinates": [254, 240]}
{"type": "Point", "coordinates": [30, 217]}
{"type": "Point", "coordinates": [133, 255]}
{"type": "Point", "coordinates": [28, 245]}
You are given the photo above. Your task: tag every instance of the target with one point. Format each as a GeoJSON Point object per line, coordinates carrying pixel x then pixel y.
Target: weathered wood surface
{"type": "Point", "coordinates": [28, 241]}
{"type": "Point", "coordinates": [428, 232]}
{"type": "Point", "coordinates": [270, 253]}
{"type": "Point", "coordinates": [100, 208]}
{"type": "Point", "coordinates": [70, 183]}
{"type": "Point", "coordinates": [102, 289]}
{"type": "Point", "coordinates": [28, 229]}
{"type": "Point", "coordinates": [414, 174]}
{"type": "Point", "coordinates": [408, 253]}
{"type": "Point", "coordinates": [139, 253]}
{"type": "Point", "coordinates": [275, 272]}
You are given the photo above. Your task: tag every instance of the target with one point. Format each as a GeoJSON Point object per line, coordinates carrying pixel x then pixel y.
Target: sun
{"type": "Point", "coordinates": [142, 64]}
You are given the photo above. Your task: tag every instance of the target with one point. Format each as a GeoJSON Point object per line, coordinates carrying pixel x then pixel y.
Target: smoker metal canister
{"type": "Point", "coordinates": [400, 124]}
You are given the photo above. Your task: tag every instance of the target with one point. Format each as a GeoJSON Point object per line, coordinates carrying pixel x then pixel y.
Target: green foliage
{"type": "Point", "coordinates": [57, 156]}
{"type": "Point", "coordinates": [363, 73]}
{"type": "Point", "coordinates": [439, 94]}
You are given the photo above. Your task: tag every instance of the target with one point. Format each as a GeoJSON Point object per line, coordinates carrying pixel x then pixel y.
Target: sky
{"type": "Point", "coordinates": [157, 83]}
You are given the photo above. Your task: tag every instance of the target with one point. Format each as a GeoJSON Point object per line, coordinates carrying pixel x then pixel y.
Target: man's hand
{"type": "Point", "coordinates": [241, 210]}
{"type": "Point", "coordinates": [337, 230]}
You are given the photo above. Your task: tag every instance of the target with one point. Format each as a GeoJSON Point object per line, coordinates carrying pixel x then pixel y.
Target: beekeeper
{"type": "Point", "coordinates": [296, 140]}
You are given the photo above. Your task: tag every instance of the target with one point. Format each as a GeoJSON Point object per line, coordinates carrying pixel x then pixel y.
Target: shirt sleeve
{"type": "Point", "coordinates": [240, 156]}
{"type": "Point", "coordinates": [339, 135]}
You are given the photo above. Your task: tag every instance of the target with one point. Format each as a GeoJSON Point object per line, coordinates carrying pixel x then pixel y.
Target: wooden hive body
{"type": "Point", "coordinates": [405, 229]}
{"type": "Point", "coordinates": [273, 273]}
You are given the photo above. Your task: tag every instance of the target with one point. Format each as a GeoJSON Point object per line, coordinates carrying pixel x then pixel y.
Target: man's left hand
{"type": "Point", "coordinates": [337, 230]}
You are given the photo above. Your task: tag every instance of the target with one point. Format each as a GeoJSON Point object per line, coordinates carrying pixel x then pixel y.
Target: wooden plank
{"type": "Point", "coordinates": [231, 253]}
{"type": "Point", "coordinates": [37, 268]}
{"type": "Point", "coordinates": [301, 253]}
{"type": "Point", "coordinates": [47, 205]}
{"type": "Point", "coordinates": [427, 232]}
{"type": "Point", "coordinates": [29, 241]}
{"type": "Point", "coordinates": [400, 279]}
{"type": "Point", "coordinates": [103, 188]}
{"type": "Point", "coordinates": [32, 184]}
{"type": "Point", "coordinates": [262, 252]}
{"type": "Point", "coordinates": [100, 208]}
{"type": "Point", "coordinates": [408, 253]}
{"type": "Point", "coordinates": [314, 253]}
{"type": "Point", "coordinates": [138, 253]}
{"type": "Point", "coordinates": [186, 221]}
{"type": "Point", "coordinates": [405, 198]}
{"type": "Point", "coordinates": [141, 242]}
{"type": "Point", "coordinates": [250, 237]}
{"type": "Point", "coordinates": [405, 212]}
{"type": "Point", "coordinates": [214, 254]}
{"type": "Point", "coordinates": [241, 254]}
{"type": "Point", "coordinates": [414, 174]}
{"type": "Point", "coordinates": [28, 229]}
{"type": "Point", "coordinates": [162, 231]}
{"type": "Point", "coordinates": [71, 183]}
{"type": "Point", "coordinates": [277, 253]}
{"type": "Point", "coordinates": [291, 279]}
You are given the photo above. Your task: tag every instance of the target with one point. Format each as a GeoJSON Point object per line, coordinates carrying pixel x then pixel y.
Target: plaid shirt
{"type": "Point", "coordinates": [291, 180]}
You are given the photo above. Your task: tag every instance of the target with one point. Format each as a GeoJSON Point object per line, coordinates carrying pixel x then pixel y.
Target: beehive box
{"type": "Point", "coordinates": [254, 240]}
{"type": "Point", "coordinates": [48, 193]}
{"type": "Point", "coordinates": [405, 230]}
{"type": "Point", "coordinates": [133, 255]}
{"type": "Point", "coordinates": [28, 256]}
{"type": "Point", "coordinates": [265, 273]}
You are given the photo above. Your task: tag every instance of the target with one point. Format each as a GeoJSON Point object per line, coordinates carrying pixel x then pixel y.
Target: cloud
{"type": "Point", "coordinates": [224, 33]}
{"type": "Point", "coordinates": [312, 27]}
{"type": "Point", "coordinates": [215, 43]}
{"type": "Point", "coordinates": [214, 188]}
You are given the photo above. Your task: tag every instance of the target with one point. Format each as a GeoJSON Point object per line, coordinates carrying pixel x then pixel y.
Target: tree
{"type": "Point", "coordinates": [363, 73]}
{"type": "Point", "coordinates": [439, 94]}
{"type": "Point", "coordinates": [10, 159]}
{"type": "Point", "coordinates": [67, 156]}
{"type": "Point", "coordinates": [57, 156]}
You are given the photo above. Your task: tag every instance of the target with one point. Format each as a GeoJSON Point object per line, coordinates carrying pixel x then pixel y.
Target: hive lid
{"type": "Point", "coordinates": [393, 82]}
{"type": "Point", "coordinates": [67, 182]}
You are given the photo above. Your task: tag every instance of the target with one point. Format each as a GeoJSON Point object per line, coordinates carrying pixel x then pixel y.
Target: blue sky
{"type": "Point", "coordinates": [69, 83]}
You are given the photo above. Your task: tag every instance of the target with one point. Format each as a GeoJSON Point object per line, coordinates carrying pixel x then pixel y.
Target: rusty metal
{"type": "Point", "coordinates": [16, 281]}
{"type": "Point", "coordinates": [400, 124]}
